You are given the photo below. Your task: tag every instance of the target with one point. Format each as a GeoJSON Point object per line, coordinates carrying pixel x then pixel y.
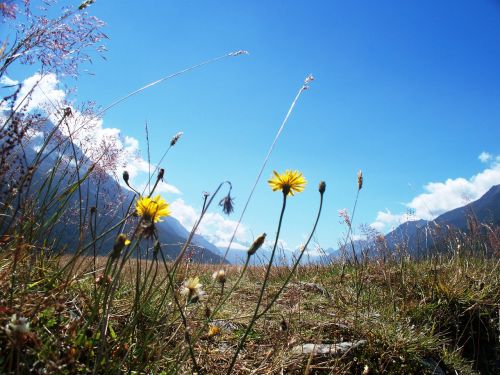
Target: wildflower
{"type": "Point", "coordinates": [219, 276]}
{"type": "Point", "coordinates": [360, 179]}
{"type": "Point", "coordinates": [17, 325]}
{"type": "Point", "coordinates": [227, 204]}
{"type": "Point", "coordinates": [213, 331]}
{"type": "Point", "coordinates": [256, 244]}
{"type": "Point", "coordinates": [344, 214]}
{"type": "Point", "coordinates": [152, 209]}
{"type": "Point", "coordinates": [175, 138]}
{"type": "Point", "coordinates": [288, 182]}
{"type": "Point", "coordinates": [191, 289]}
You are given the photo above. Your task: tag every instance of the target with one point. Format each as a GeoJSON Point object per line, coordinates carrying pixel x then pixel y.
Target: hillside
{"type": "Point", "coordinates": [103, 195]}
{"type": "Point", "coordinates": [420, 236]}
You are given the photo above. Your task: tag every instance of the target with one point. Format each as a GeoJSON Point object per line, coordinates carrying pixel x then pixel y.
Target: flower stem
{"type": "Point", "coordinates": [296, 262]}
{"type": "Point", "coordinates": [262, 290]}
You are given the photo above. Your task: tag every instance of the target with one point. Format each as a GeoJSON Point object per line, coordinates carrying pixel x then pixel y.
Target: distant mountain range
{"type": "Point", "coordinates": [110, 201]}
{"type": "Point", "coordinates": [418, 237]}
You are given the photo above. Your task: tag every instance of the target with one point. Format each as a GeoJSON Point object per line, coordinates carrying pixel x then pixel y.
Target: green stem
{"type": "Point", "coordinates": [296, 263]}
{"type": "Point", "coordinates": [262, 290]}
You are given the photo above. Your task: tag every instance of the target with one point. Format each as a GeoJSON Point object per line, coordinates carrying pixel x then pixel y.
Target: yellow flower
{"type": "Point", "coordinates": [152, 208]}
{"type": "Point", "coordinates": [288, 182]}
{"type": "Point", "coordinates": [213, 331]}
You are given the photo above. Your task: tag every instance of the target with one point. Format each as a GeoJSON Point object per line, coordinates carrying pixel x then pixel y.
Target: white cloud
{"type": "Point", "coordinates": [445, 196]}
{"type": "Point", "coordinates": [485, 157]}
{"type": "Point", "coordinates": [214, 227]}
{"type": "Point", "coordinates": [45, 93]}
{"type": "Point", "coordinates": [8, 81]}
{"type": "Point", "coordinates": [387, 220]}
{"type": "Point", "coordinates": [107, 146]}
{"type": "Point", "coordinates": [440, 197]}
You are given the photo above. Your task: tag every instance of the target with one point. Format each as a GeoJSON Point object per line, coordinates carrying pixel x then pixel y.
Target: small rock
{"type": "Point", "coordinates": [332, 349]}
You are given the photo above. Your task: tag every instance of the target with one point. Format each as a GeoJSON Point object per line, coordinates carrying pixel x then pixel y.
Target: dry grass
{"type": "Point", "coordinates": [445, 315]}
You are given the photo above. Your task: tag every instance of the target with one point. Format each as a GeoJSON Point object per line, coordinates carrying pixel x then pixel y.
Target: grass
{"type": "Point", "coordinates": [65, 309]}
{"type": "Point", "coordinates": [408, 327]}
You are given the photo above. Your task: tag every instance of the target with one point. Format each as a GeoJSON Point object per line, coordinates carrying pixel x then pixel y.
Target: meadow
{"type": "Point", "coordinates": [89, 287]}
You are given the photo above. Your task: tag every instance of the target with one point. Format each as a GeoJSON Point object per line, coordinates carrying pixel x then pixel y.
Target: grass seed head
{"type": "Point", "coordinates": [256, 244]}
{"type": "Point", "coordinates": [360, 179]}
{"type": "Point", "coordinates": [175, 138]}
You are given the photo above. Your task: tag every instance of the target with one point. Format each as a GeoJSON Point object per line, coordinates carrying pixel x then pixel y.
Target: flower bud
{"type": "Point", "coordinates": [322, 187]}
{"type": "Point", "coordinates": [125, 177]}
{"type": "Point", "coordinates": [120, 243]}
{"type": "Point", "coordinates": [256, 244]}
{"type": "Point", "coordinates": [219, 276]}
{"type": "Point", "coordinates": [161, 173]}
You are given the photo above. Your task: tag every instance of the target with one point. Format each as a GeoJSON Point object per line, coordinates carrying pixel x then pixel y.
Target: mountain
{"type": "Point", "coordinates": [420, 235]}
{"type": "Point", "coordinates": [103, 201]}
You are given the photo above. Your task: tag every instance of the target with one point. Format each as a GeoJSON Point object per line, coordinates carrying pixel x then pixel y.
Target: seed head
{"type": "Point", "coordinates": [360, 179]}
{"type": "Point", "coordinates": [67, 112]}
{"type": "Point", "coordinates": [240, 52]}
{"type": "Point", "coordinates": [322, 187]}
{"type": "Point", "coordinates": [308, 79]}
{"type": "Point", "coordinates": [191, 289]}
{"type": "Point", "coordinates": [17, 325]}
{"type": "Point", "coordinates": [126, 177]}
{"type": "Point", "coordinates": [256, 244]}
{"type": "Point", "coordinates": [227, 204]}
{"type": "Point", "coordinates": [161, 173]}
{"type": "Point", "coordinates": [85, 4]}
{"type": "Point", "coordinates": [175, 138]}
{"type": "Point", "coordinates": [219, 276]}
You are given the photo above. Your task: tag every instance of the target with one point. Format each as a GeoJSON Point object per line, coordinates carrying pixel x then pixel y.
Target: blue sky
{"type": "Point", "coordinates": [407, 92]}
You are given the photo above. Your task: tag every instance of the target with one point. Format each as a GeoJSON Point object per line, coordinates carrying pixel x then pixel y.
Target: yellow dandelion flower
{"type": "Point", "coordinates": [289, 182]}
{"type": "Point", "coordinates": [152, 209]}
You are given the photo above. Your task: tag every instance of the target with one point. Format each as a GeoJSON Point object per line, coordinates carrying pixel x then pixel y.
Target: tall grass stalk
{"type": "Point", "coordinates": [304, 87]}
